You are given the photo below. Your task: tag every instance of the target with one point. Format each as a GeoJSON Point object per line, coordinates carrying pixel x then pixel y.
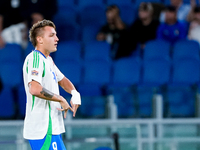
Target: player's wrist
{"type": "Point", "coordinates": [59, 98]}
{"type": "Point", "coordinates": [76, 98]}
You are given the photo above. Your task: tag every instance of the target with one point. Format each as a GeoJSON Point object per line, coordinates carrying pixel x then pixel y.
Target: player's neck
{"type": "Point", "coordinates": [43, 51]}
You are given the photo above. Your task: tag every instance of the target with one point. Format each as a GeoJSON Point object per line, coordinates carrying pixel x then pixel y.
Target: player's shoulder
{"type": "Point", "coordinates": [29, 56]}
{"type": "Point", "coordinates": [34, 57]}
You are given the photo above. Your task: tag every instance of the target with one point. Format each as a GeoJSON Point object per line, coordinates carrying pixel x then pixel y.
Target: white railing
{"type": "Point", "coordinates": [154, 125]}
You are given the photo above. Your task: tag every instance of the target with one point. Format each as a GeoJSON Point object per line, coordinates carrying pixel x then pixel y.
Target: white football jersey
{"type": "Point", "coordinates": [41, 113]}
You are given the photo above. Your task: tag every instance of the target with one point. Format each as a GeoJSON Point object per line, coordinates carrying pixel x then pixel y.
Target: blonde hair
{"type": "Point", "coordinates": [37, 28]}
{"type": "Point", "coordinates": [146, 7]}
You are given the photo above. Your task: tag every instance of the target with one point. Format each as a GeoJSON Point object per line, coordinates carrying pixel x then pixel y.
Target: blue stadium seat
{"type": "Point", "coordinates": [166, 2]}
{"type": "Point", "coordinates": [126, 71]}
{"type": "Point", "coordinates": [89, 33]}
{"type": "Point", "coordinates": [21, 100]}
{"type": "Point", "coordinates": [28, 49]}
{"type": "Point", "coordinates": [156, 49]}
{"type": "Point", "coordinates": [94, 14]}
{"type": "Point", "coordinates": [66, 14]}
{"type": "Point", "coordinates": [137, 2]}
{"type": "Point", "coordinates": [68, 31]}
{"type": "Point", "coordinates": [7, 103]}
{"type": "Point", "coordinates": [180, 93]}
{"type": "Point", "coordinates": [186, 48]}
{"type": "Point", "coordinates": [65, 3]}
{"type": "Point", "coordinates": [93, 106]}
{"type": "Point", "coordinates": [96, 72]}
{"type": "Point", "coordinates": [125, 101]}
{"type": "Point", "coordinates": [156, 72]}
{"type": "Point", "coordinates": [72, 70]}
{"type": "Point", "coordinates": [92, 99]}
{"type": "Point", "coordinates": [126, 74]}
{"type": "Point", "coordinates": [144, 100]}
{"type": "Point", "coordinates": [11, 53]}
{"type": "Point", "coordinates": [66, 26]}
{"type": "Point", "coordinates": [97, 50]}
{"type": "Point", "coordinates": [95, 76]}
{"type": "Point", "coordinates": [181, 101]}
{"type": "Point", "coordinates": [119, 2]}
{"type": "Point", "coordinates": [186, 71]}
{"type": "Point", "coordinates": [11, 73]}
{"type": "Point", "coordinates": [127, 13]}
{"type": "Point", "coordinates": [69, 50]}
{"type": "Point", "coordinates": [182, 110]}
{"type": "Point", "coordinates": [83, 3]}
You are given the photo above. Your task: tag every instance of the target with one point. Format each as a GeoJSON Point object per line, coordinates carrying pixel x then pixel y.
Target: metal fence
{"type": "Point", "coordinates": [156, 133]}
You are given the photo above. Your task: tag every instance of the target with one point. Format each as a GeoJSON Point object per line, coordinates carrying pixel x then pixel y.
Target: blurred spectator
{"type": "Point", "coordinates": [37, 10]}
{"type": "Point", "coordinates": [194, 30]}
{"type": "Point", "coordinates": [113, 30]}
{"type": "Point", "coordinates": [142, 30]}
{"type": "Point", "coordinates": [190, 15]}
{"type": "Point", "coordinates": [12, 26]}
{"type": "Point", "coordinates": [157, 9]}
{"type": "Point", "coordinates": [182, 10]}
{"type": "Point", "coordinates": [172, 29]}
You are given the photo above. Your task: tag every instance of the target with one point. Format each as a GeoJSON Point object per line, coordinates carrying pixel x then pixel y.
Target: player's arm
{"type": "Point", "coordinates": [69, 87]}
{"type": "Point", "coordinates": [37, 90]}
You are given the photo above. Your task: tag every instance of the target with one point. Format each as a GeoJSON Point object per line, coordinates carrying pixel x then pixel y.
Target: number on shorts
{"type": "Point", "coordinates": [54, 145]}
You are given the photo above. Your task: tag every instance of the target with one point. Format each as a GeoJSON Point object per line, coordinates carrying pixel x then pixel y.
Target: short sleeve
{"type": "Point", "coordinates": [35, 67]}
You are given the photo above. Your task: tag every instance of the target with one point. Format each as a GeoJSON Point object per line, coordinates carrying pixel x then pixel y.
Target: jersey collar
{"type": "Point", "coordinates": [40, 53]}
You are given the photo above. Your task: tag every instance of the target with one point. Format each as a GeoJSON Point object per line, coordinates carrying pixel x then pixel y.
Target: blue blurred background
{"type": "Point", "coordinates": [151, 98]}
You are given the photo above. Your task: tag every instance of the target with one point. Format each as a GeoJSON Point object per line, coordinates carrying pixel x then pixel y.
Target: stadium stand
{"type": "Point", "coordinates": [97, 51]}
{"type": "Point", "coordinates": [89, 33]}
{"type": "Point", "coordinates": [68, 50]}
{"type": "Point", "coordinates": [157, 49]}
{"type": "Point", "coordinates": [92, 14]}
{"type": "Point", "coordinates": [7, 99]}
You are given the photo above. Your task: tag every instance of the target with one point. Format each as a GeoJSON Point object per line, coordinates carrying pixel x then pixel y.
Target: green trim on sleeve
{"type": "Point", "coordinates": [33, 59]}
{"type": "Point", "coordinates": [33, 98]}
{"type": "Point", "coordinates": [43, 74]}
{"type": "Point", "coordinates": [47, 142]}
{"type": "Point", "coordinates": [36, 60]}
{"type": "Point", "coordinates": [27, 67]}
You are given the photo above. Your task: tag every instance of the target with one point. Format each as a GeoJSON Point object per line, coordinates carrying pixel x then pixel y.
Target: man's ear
{"type": "Point", "coordinates": [39, 40]}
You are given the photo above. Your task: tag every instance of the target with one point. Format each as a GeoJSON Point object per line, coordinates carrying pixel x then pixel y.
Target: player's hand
{"type": "Point", "coordinates": [75, 101]}
{"type": "Point", "coordinates": [65, 107]}
{"type": "Point", "coordinates": [74, 107]}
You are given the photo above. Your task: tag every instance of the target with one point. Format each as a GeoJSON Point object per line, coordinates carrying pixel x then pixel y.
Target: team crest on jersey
{"type": "Point", "coordinates": [34, 73]}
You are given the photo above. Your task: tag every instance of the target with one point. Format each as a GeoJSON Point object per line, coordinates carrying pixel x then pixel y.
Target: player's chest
{"type": "Point", "coordinates": [50, 73]}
